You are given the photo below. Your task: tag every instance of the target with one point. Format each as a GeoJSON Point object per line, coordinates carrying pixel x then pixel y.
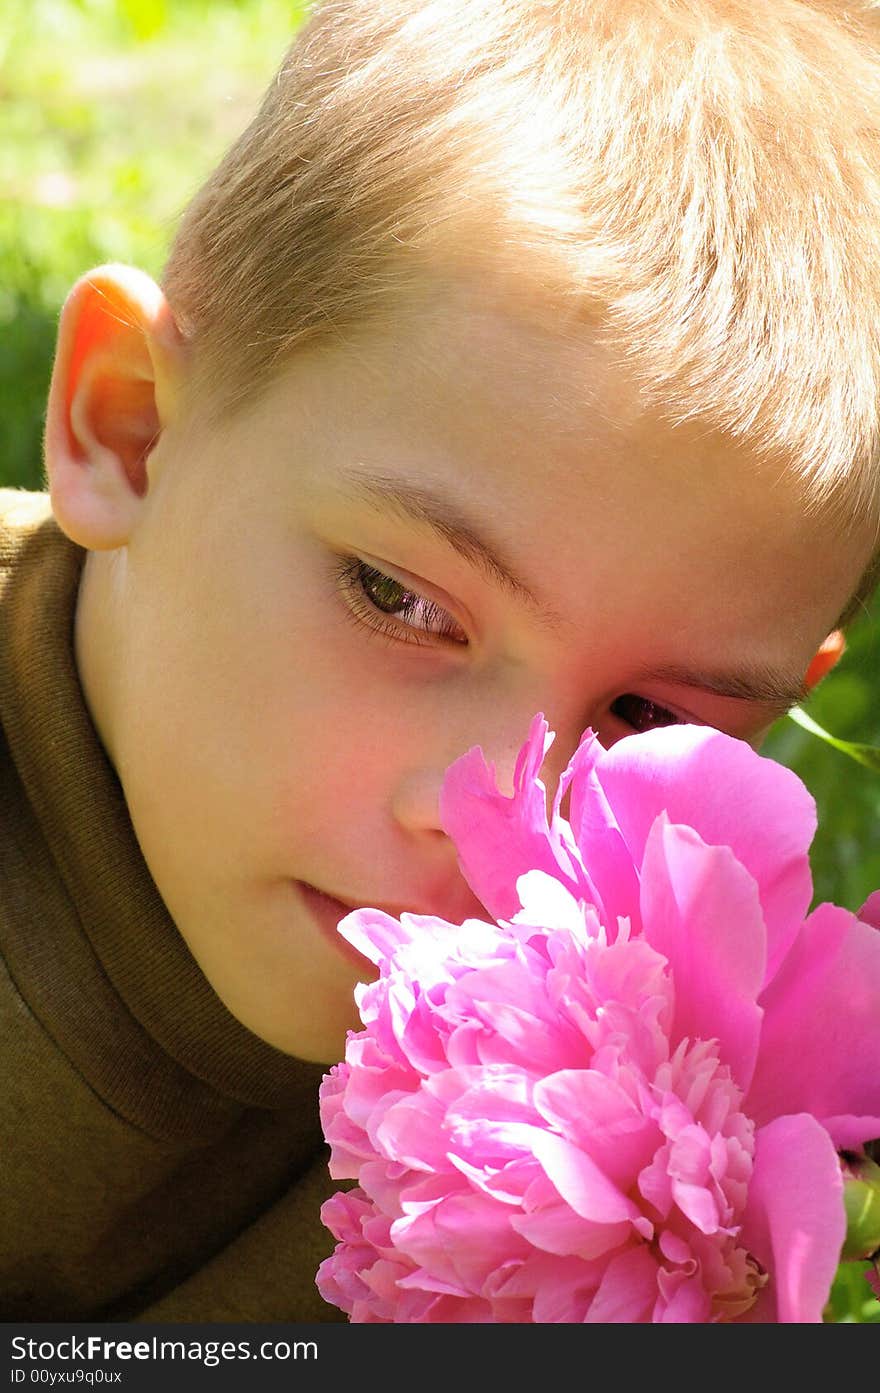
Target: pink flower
{"type": "Point", "coordinates": [621, 1098]}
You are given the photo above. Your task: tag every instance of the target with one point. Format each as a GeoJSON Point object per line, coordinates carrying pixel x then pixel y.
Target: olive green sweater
{"type": "Point", "coordinates": [157, 1160]}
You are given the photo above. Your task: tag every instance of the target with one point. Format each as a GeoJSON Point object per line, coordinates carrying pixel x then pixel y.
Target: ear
{"type": "Point", "coordinates": [116, 385]}
{"type": "Point", "coordinates": [829, 653]}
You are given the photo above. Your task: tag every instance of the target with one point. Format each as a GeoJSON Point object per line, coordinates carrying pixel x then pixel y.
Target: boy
{"type": "Point", "coordinates": [520, 356]}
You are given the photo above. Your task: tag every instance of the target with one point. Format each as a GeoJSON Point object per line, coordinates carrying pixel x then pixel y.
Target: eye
{"type": "Point", "coordinates": [391, 608]}
{"type": "Point", "coordinates": [640, 714]}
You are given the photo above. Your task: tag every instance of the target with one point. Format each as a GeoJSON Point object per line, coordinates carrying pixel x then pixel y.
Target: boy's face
{"type": "Point", "coordinates": [409, 545]}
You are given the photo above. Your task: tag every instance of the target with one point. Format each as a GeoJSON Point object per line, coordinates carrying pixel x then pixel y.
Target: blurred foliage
{"type": "Point", "coordinates": [111, 114]}
{"type": "Point", "coordinates": [851, 1298]}
{"type": "Point", "coordinates": [846, 851]}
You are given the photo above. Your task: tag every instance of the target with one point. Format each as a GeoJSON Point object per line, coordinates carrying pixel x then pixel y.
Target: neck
{"type": "Point", "coordinates": [97, 640]}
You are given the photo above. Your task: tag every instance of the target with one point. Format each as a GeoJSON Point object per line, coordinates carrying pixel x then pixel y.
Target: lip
{"type": "Point", "coordinates": [327, 913]}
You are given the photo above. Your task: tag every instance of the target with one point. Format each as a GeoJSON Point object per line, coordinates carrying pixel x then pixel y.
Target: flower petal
{"type": "Point", "coordinates": [557, 1229]}
{"type": "Point", "coordinates": [628, 1289]}
{"type": "Point", "coordinates": [580, 1182]}
{"type": "Point", "coordinates": [870, 910]}
{"type": "Point", "coordinates": [498, 838]}
{"type": "Point", "coordinates": [700, 909]}
{"type": "Point", "coordinates": [597, 1115]}
{"type": "Point", "coordinates": [820, 1042]}
{"type": "Point", "coordinates": [794, 1222]}
{"type": "Point", "coordinates": [729, 794]}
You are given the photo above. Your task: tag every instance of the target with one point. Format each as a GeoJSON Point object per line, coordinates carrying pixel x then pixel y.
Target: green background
{"type": "Point", "coordinates": [111, 114]}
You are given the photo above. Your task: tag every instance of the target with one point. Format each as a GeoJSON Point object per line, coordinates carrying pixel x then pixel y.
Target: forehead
{"type": "Point", "coordinates": [529, 425]}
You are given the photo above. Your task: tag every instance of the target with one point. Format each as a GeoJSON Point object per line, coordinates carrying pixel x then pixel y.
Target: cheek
{"type": "Point", "coordinates": [328, 748]}
{"type": "Point", "coordinates": [274, 726]}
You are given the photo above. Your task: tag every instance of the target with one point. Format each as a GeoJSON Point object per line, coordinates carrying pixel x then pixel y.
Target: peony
{"type": "Point", "coordinates": [621, 1096]}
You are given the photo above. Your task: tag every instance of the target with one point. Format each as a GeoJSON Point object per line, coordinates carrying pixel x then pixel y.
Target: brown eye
{"type": "Point", "coordinates": [641, 714]}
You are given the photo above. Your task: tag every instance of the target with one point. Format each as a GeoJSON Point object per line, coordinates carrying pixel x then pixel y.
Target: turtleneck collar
{"type": "Point", "coordinates": [141, 964]}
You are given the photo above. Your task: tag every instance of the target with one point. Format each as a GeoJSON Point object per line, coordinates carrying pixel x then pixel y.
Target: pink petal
{"type": "Point", "coordinates": [498, 838]}
{"type": "Point", "coordinates": [700, 909]}
{"type": "Point", "coordinates": [460, 1240]}
{"type": "Point", "coordinates": [523, 1039]}
{"type": "Point", "coordinates": [820, 1042]}
{"type": "Point", "coordinates": [411, 1133]}
{"type": "Point", "coordinates": [500, 983]}
{"type": "Point", "coordinates": [729, 794]}
{"type": "Point", "coordinates": [628, 1289]}
{"type": "Point", "coordinates": [580, 1182]}
{"type": "Point", "coordinates": [595, 1113]}
{"type": "Point", "coordinates": [376, 934]}
{"type": "Point", "coordinates": [559, 1230]}
{"type": "Point", "coordinates": [697, 1204]}
{"type": "Point", "coordinates": [547, 904]}
{"type": "Point", "coordinates": [849, 1131]}
{"type": "Point", "coordinates": [794, 1222]}
{"type": "Point", "coordinates": [603, 846]}
{"type": "Point", "coordinates": [561, 1287]}
{"type": "Point", "coordinates": [870, 910]}
{"type": "Point", "coordinates": [687, 1303]}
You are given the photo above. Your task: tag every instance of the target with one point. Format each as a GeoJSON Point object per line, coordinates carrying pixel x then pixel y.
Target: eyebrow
{"type": "Point", "coordinates": [757, 682]}
{"type": "Point", "coordinates": [414, 502]}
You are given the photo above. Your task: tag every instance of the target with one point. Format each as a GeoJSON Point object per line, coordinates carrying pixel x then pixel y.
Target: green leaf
{"type": "Point", "coordinates": [851, 1300]}
{"type": "Point", "coordinates": [868, 755]}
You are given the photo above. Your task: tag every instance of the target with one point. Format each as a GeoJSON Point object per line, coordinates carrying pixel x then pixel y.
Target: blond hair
{"type": "Point", "coordinates": [700, 177]}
